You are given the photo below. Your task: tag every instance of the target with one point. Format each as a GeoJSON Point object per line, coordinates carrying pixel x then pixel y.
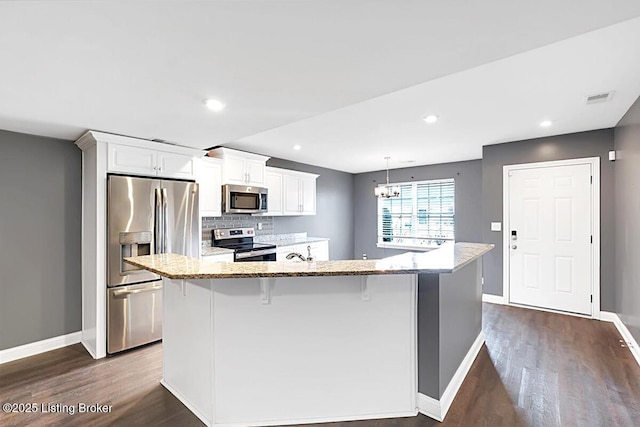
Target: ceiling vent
{"type": "Point", "coordinates": [600, 97]}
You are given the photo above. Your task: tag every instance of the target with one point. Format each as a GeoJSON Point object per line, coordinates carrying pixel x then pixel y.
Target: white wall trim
{"type": "Point", "coordinates": [493, 299]}
{"type": "Point", "coordinates": [454, 385]}
{"type": "Point", "coordinates": [31, 349]}
{"type": "Point", "coordinates": [550, 310]}
{"type": "Point", "coordinates": [87, 346]}
{"type": "Point", "coordinates": [208, 422]}
{"type": "Point", "coordinates": [186, 403]}
{"type": "Point", "coordinates": [437, 409]}
{"type": "Point", "coordinates": [430, 407]}
{"type": "Point", "coordinates": [632, 344]}
{"type": "Point", "coordinates": [595, 220]}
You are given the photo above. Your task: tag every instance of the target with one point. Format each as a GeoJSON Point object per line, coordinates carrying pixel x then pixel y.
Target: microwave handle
{"type": "Point", "coordinates": [259, 202]}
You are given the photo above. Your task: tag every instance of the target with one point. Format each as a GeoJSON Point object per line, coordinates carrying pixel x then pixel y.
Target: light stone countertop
{"type": "Point", "coordinates": [208, 251]}
{"type": "Point", "coordinates": [447, 259]}
{"type": "Point", "coordinates": [288, 239]}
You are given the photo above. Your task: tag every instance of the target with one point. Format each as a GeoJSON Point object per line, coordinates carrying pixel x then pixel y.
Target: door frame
{"type": "Point", "coordinates": [595, 225]}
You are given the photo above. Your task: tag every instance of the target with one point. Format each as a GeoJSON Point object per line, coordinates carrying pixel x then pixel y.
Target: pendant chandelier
{"type": "Point", "coordinates": [387, 190]}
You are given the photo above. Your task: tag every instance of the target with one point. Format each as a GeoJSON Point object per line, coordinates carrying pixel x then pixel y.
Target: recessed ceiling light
{"type": "Point", "coordinates": [431, 118]}
{"type": "Point", "coordinates": [214, 105]}
{"type": "Point", "coordinates": [297, 147]}
{"type": "Point", "coordinates": [546, 123]}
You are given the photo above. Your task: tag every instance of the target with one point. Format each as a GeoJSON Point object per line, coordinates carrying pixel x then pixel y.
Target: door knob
{"type": "Point", "coordinates": [514, 247]}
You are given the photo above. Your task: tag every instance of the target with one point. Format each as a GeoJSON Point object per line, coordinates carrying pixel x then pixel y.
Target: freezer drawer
{"type": "Point", "coordinates": [134, 315]}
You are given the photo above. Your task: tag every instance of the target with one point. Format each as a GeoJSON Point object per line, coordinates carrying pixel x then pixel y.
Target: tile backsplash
{"type": "Point", "coordinates": [232, 221]}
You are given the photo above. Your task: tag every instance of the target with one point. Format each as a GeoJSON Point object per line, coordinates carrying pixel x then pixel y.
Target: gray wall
{"type": "Point", "coordinates": [577, 145]}
{"type": "Point", "coordinates": [334, 209]}
{"type": "Point", "coordinates": [468, 179]}
{"type": "Point", "coordinates": [40, 219]}
{"type": "Point", "coordinates": [627, 166]}
{"type": "Point", "coordinates": [449, 321]}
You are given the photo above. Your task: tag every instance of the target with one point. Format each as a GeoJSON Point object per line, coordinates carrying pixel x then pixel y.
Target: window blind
{"type": "Point", "coordinates": [422, 215]}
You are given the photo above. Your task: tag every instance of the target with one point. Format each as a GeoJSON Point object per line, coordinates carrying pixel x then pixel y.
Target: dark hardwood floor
{"type": "Point", "coordinates": [536, 369]}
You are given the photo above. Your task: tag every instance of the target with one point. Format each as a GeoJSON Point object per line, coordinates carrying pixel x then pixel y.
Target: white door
{"type": "Point", "coordinates": [550, 230]}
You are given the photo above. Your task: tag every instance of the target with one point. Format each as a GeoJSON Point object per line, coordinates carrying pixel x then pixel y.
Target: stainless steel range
{"type": "Point", "coordinates": [240, 240]}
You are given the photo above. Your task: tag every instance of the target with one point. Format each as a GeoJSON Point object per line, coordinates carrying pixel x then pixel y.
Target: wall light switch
{"type": "Point", "coordinates": [496, 226]}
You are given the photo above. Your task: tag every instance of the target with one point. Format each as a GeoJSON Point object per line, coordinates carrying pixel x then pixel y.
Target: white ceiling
{"type": "Point", "coordinates": [347, 80]}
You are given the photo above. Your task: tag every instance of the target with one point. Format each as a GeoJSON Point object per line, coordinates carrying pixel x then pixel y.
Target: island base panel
{"type": "Point", "coordinates": [319, 349]}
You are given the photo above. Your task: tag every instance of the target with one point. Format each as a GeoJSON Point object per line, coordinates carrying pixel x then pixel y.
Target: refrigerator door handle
{"type": "Point", "coordinates": [157, 229]}
{"type": "Point", "coordinates": [164, 220]}
{"type": "Point", "coordinates": [125, 292]}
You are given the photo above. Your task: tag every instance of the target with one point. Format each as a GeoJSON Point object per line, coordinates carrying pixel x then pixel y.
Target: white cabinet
{"type": "Point", "coordinates": [290, 192]}
{"type": "Point", "coordinates": [255, 171]}
{"type": "Point", "coordinates": [319, 251]}
{"type": "Point", "coordinates": [103, 153]}
{"type": "Point", "coordinates": [273, 180]}
{"type": "Point", "coordinates": [308, 194]}
{"type": "Point", "coordinates": [241, 168]}
{"type": "Point", "coordinates": [174, 165]}
{"type": "Point", "coordinates": [299, 193]}
{"type": "Point", "coordinates": [209, 178]}
{"type": "Point", "coordinates": [149, 161]}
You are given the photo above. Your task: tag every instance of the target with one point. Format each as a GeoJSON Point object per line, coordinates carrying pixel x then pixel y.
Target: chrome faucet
{"type": "Point", "coordinates": [309, 258]}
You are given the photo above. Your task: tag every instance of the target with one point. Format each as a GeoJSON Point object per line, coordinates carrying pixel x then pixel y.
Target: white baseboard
{"type": "Point", "coordinates": [493, 299]}
{"type": "Point", "coordinates": [632, 344]}
{"type": "Point", "coordinates": [205, 420]}
{"type": "Point", "coordinates": [31, 349]}
{"type": "Point", "coordinates": [430, 407]}
{"type": "Point", "coordinates": [437, 409]}
{"type": "Point", "coordinates": [89, 348]}
{"type": "Point", "coordinates": [186, 403]}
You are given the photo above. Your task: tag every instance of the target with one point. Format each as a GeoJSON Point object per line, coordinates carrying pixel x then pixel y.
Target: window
{"type": "Point", "coordinates": [422, 216]}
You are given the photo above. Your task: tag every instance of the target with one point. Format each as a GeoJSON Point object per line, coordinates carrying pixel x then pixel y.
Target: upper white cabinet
{"type": "Point", "coordinates": [140, 160]}
{"type": "Point", "coordinates": [290, 192]}
{"type": "Point", "coordinates": [241, 168]}
{"type": "Point", "coordinates": [209, 177]}
{"type": "Point", "coordinates": [299, 193]}
{"type": "Point", "coordinates": [273, 181]}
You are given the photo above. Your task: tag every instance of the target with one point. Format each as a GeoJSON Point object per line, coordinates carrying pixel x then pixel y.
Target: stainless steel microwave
{"type": "Point", "coordinates": [243, 199]}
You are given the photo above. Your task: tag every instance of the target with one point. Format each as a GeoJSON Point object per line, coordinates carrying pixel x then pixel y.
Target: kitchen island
{"type": "Point", "coordinates": [271, 343]}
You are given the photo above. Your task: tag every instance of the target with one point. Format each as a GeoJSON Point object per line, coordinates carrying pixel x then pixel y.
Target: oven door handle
{"type": "Point", "coordinates": [243, 255]}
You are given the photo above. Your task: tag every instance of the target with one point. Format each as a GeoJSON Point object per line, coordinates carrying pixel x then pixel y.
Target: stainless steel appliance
{"type": "Point", "coordinates": [243, 199]}
{"type": "Point", "coordinates": [240, 240]}
{"type": "Point", "coordinates": [144, 216]}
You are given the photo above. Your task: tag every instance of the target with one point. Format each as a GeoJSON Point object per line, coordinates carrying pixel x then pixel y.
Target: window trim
{"type": "Point", "coordinates": [401, 246]}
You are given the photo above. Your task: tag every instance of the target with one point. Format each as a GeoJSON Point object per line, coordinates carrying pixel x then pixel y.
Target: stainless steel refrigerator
{"type": "Point", "coordinates": [145, 216]}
